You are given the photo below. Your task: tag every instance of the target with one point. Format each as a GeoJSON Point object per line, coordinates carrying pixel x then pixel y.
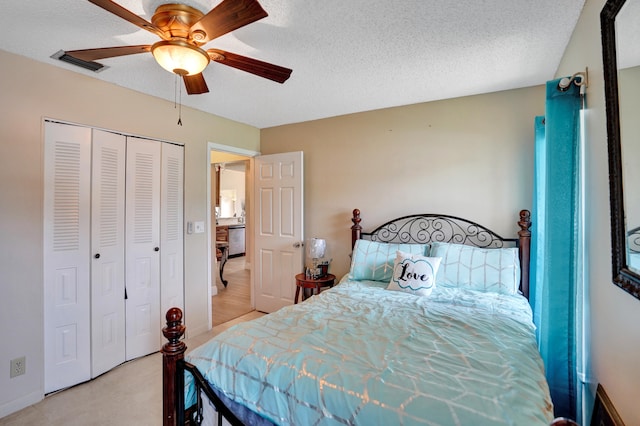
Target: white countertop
{"type": "Point", "coordinates": [228, 221]}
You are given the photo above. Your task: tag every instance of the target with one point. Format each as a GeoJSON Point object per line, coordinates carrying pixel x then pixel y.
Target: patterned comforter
{"type": "Point", "coordinates": [361, 354]}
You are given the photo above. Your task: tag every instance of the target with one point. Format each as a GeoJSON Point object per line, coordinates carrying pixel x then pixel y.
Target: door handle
{"type": "Point", "coordinates": [297, 244]}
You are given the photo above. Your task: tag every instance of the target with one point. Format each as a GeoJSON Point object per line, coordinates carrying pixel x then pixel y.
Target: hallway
{"type": "Point", "coordinates": [234, 300]}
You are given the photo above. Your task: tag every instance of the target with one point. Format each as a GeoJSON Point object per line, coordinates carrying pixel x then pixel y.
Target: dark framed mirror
{"type": "Point", "coordinates": [621, 71]}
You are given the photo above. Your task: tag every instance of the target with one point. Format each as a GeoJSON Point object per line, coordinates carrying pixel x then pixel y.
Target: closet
{"type": "Point", "coordinates": [113, 248]}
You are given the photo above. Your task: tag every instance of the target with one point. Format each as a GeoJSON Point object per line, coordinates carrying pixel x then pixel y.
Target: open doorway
{"type": "Point", "coordinates": [230, 239]}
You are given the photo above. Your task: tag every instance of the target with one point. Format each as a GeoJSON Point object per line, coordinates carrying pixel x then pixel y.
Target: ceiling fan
{"type": "Point", "coordinates": [183, 30]}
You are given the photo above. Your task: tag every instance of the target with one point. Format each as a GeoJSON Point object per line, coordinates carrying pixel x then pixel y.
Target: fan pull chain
{"type": "Point", "coordinates": [177, 93]}
{"type": "Point", "coordinates": [180, 109]}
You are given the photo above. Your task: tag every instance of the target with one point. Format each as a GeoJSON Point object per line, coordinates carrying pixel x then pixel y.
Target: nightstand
{"type": "Point", "coordinates": [302, 281]}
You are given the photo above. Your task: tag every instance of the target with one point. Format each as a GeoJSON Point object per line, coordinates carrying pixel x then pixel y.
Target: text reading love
{"type": "Point", "coordinates": [410, 274]}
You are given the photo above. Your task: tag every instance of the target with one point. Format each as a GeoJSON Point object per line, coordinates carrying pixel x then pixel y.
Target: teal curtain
{"type": "Point", "coordinates": [557, 244]}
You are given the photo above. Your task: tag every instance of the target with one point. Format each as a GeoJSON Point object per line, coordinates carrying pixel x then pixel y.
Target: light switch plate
{"type": "Point", "coordinates": [198, 227]}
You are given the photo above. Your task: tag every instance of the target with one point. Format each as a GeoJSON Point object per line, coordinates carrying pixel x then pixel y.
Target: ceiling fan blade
{"type": "Point", "coordinates": [127, 15]}
{"type": "Point", "coordinates": [195, 84]}
{"type": "Point", "coordinates": [253, 66]}
{"type": "Point", "coordinates": [107, 52]}
{"type": "Point", "coordinates": [228, 16]}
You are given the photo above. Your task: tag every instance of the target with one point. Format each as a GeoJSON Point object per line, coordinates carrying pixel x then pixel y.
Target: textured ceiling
{"type": "Point", "coordinates": [347, 55]}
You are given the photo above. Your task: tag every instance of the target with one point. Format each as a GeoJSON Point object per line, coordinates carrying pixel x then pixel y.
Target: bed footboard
{"type": "Point", "coordinates": [173, 370]}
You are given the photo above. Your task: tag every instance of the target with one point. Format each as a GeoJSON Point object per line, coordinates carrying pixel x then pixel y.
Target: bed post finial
{"type": "Point", "coordinates": [524, 236]}
{"type": "Point", "coordinates": [172, 374]}
{"type": "Point", "coordinates": [356, 228]}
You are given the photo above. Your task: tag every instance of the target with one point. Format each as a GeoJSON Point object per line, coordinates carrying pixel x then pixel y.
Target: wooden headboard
{"type": "Point", "coordinates": [426, 228]}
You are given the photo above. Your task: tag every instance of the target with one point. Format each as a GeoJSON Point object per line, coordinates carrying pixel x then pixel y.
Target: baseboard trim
{"type": "Point", "coordinates": [21, 403]}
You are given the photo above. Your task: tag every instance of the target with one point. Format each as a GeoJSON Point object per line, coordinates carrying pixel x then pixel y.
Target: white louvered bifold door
{"type": "Point", "coordinates": [171, 230]}
{"type": "Point", "coordinates": [143, 336]}
{"type": "Point", "coordinates": [107, 252]}
{"type": "Point", "coordinates": [67, 192]}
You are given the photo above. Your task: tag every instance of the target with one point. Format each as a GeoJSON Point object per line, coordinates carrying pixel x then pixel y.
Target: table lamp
{"type": "Point", "coordinates": [316, 250]}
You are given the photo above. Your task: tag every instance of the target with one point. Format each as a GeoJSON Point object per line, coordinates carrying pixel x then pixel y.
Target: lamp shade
{"type": "Point", "coordinates": [180, 57]}
{"type": "Point", "coordinates": [316, 248]}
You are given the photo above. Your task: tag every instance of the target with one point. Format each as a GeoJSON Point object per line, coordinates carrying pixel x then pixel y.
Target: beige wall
{"type": "Point", "coordinates": [470, 157]}
{"type": "Point", "coordinates": [615, 326]}
{"type": "Point", "coordinates": [31, 91]}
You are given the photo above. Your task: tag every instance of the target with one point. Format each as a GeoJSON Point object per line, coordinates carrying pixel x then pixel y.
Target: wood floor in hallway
{"type": "Point", "coordinates": [234, 300]}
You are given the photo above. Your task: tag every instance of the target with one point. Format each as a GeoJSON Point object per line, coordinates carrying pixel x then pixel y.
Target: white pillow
{"type": "Point", "coordinates": [413, 273]}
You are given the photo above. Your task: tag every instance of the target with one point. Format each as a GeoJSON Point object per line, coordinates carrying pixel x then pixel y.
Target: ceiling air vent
{"type": "Point", "coordinates": [88, 65]}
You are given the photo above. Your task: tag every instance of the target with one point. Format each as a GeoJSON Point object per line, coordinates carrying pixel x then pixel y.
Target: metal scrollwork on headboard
{"type": "Point", "coordinates": [426, 228]}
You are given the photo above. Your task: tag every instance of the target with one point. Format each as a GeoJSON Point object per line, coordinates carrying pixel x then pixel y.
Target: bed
{"type": "Point", "coordinates": [431, 326]}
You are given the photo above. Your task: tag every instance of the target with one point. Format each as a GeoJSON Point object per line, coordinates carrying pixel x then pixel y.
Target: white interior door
{"type": "Point", "coordinates": [142, 247]}
{"type": "Point", "coordinates": [107, 252]}
{"type": "Point", "coordinates": [278, 183]}
{"type": "Point", "coordinates": [67, 197]}
{"type": "Point", "coordinates": [171, 230]}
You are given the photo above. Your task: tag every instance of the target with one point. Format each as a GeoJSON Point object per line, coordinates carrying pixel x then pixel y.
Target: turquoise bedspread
{"type": "Point", "coordinates": [361, 354]}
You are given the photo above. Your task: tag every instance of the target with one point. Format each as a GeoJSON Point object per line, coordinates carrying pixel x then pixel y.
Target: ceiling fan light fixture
{"type": "Point", "coordinates": [180, 57]}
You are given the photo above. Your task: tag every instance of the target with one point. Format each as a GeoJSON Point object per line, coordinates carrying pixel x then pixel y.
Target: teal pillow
{"type": "Point", "coordinates": [372, 260]}
{"type": "Point", "coordinates": [484, 269]}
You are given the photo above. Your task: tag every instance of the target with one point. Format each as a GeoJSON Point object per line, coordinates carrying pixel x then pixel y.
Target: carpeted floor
{"type": "Point", "coordinates": [130, 394]}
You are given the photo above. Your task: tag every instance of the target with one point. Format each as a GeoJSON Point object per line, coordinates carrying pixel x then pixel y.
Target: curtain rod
{"type": "Point", "coordinates": [583, 82]}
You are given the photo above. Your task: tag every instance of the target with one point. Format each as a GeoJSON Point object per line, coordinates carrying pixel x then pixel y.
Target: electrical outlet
{"type": "Point", "coordinates": [18, 367]}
